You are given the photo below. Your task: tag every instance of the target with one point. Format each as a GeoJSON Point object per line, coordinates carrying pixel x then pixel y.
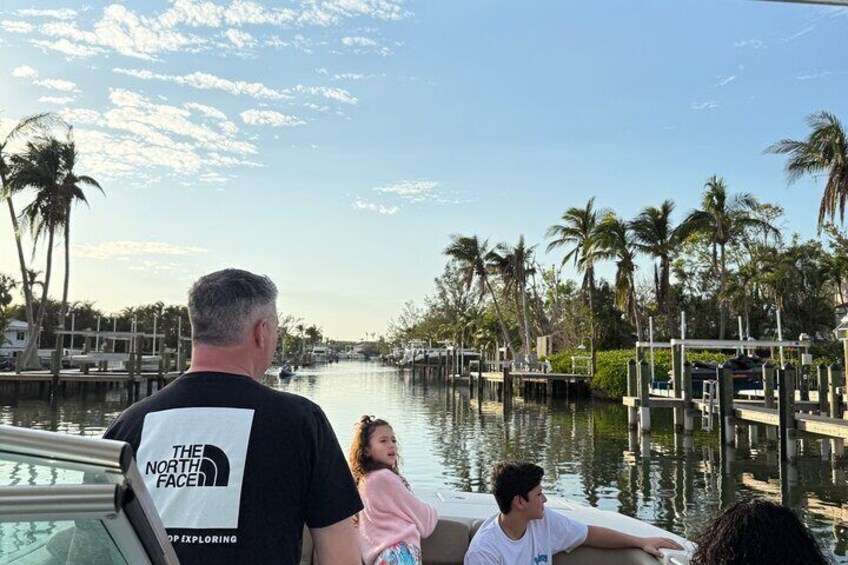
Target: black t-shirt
{"type": "Point", "coordinates": [236, 469]}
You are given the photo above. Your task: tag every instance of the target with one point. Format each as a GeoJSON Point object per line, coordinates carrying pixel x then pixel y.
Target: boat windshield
{"type": "Point", "coordinates": [68, 499]}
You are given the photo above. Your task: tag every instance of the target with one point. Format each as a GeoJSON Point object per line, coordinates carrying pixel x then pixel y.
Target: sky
{"type": "Point", "coordinates": [335, 145]}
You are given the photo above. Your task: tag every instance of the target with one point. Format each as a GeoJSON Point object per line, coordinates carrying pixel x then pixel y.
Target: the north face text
{"type": "Point", "coordinates": [195, 465]}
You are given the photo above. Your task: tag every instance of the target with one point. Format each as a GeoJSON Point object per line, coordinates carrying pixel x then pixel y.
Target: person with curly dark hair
{"type": "Point", "coordinates": [757, 532]}
{"type": "Point", "coordinates": [393, 519]}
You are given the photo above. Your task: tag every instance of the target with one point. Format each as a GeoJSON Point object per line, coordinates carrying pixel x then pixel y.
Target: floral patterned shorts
{"type": "Point", "coordinates": [400, 554]}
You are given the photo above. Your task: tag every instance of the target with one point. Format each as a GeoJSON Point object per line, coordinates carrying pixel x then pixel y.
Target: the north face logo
{"type": "Point", "coordinates": [195, 465]}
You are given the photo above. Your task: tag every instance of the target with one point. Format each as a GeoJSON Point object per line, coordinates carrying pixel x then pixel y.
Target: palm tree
{"type": "Point", "coordinates": [825, 151]}
{"type": "Point", "coordinates": [512, 264]}
{"type": "Point", "coordinates": [470, 253]}
{"type": "Point", "coordinates": [721, 218]}
{"type": "Point", "coordinates": [656, 236]}
{"type": "Point", "coordinates": [39, 168]}
{"type": "Point", "coordinates": [26, 126]}
{"type": "Point", "coordinates": [70, 186]}
{"type": "Point", "coordinates": [614, 238]}
{"type": "Point", "coordinates": [578, 231]}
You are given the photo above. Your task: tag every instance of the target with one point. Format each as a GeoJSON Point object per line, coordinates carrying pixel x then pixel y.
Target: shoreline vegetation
{"type": "Point", "coordinates": [729, 265]}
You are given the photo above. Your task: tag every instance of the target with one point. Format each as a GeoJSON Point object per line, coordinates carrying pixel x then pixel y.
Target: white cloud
{"type": "Point", "coordinates": [360, 44]}
{"type": "Point", "coordinates": [814, 76]}
{"type": "Point", "coordinates": [16, 26]}
{"type": "Point", "coordinates": [82, 116]}
{"type": "Point", "coordinates": [67, 47]}
{"type": "Point", "coordinates": [359, 41]}
{"type": "Point", "coordinates": [240, 39]}
{"type": "Point", "coordinates": [207, 111]}
{"type": "Point", "coordinates": [374, 207]}
{"type": "Point", "coordinates": [60, 100]}
{"type": "Point", "coordinates": [57, 84]}
{"type": "Point", "coordinates": [113, 249]}
{"type": "Point", "coordinates": [801, 33]}
{"type": "Point", "coordinates": [137, 136]}
{"type": "Point", "coordinates": [722, 81]}
{"type": "Point", "coordinates": [409, 188]}
{"type": "Point", "coordinates": [708, 105]}
{"type": "Point", "coordinates": [122, 30]}
{"type": "Point", "coordinates": [332, 93]}
{"type": "Point", "coordinates": [421, 191]}
{"type": "Point", "coordinates": [270, 118]}
{"type": "Point", "coordinates": [24, 71]}
{"type": "Point", "coordinates": [753, 43]}
{"type": "Point", "coordinates": [350, 76]}
{"type": "Point", "coordinates": [60, 14]}
{"type": "Point", "coordinates": [134, 34]}
{"type": "Point", "coordinates": [206, 81]}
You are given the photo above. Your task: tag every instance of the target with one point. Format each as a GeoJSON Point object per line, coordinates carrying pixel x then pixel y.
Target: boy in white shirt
{"type": "Point", "coordinates": [524, 533]}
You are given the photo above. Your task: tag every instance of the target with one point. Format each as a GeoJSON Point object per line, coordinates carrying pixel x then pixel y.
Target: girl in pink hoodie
{"type": "Point", "coordinates": [393, 521]}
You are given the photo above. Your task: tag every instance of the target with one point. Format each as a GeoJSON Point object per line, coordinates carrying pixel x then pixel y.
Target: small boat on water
{"type": "Point", "coordinates": [280, 371]}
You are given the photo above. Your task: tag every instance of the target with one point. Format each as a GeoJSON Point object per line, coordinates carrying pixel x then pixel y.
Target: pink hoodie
{"type": "Point", "coordinates": [392, 514]}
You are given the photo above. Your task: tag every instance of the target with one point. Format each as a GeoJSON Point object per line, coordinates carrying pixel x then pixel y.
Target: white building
{"type": "Point", "coordinates": [14, 340]}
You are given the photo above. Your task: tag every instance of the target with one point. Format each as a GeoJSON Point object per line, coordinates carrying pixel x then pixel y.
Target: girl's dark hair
{"type": "Point", "coordinates": [757, 533]}
{"type": "Point", "coordinates": [360, 463]}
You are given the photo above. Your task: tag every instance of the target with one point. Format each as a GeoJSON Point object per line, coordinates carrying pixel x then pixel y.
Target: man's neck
{"type": "Point", "coordinates": [233, 360]}
{"type": "Point", "coordinates": [512, 525]}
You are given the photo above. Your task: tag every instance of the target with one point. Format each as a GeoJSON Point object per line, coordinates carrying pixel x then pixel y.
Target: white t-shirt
{"type": "Point", "coordinates": [552, 534]}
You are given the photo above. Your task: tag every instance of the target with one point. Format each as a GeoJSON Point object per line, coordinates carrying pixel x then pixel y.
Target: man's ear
{"type": "Point", "coordinates": [259, 333]}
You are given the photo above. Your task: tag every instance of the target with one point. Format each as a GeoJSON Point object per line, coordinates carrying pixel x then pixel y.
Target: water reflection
{"type": "Point", "coordinates": [450, 436]}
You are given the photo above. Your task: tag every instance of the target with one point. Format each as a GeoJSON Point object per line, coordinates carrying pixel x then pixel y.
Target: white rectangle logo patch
{"type": "Point", "coordinates": [192, 461]}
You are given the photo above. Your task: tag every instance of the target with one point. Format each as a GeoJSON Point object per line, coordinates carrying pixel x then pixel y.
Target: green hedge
{"type": "Point", "coordinates": [611, 366]}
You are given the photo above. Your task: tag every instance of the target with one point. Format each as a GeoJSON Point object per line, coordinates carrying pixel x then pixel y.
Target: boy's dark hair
{"type": "Point", "coordinates": [514, 479]}
{"type": "Point", "coordinates": [754, 533]}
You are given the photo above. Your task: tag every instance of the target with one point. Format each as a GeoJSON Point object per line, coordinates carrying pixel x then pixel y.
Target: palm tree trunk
{"type": "Point", "coordinates": [63, 309]}
{"type": "Point", "coordinates": [520, 321]}
{"type": "Point", "coordinates": [635, 308]}
{"type": "Point", "coordinates": [666, 283]}
{"type": "Point", "coordinates": [526, 316]}
{"type": "Point", "coordinates": [31, 346]}
{"type": "Point", "coordinates": [591, 274]}
{"type": "Point", "coordinates": [504, 331]}
{"type": "Point", "coordinates": [722, 308]}
{"type": "Point", "coordinates": [25, 283]}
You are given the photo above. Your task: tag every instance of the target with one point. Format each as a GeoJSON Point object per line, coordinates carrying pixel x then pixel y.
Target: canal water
{"type": "Point", "coordinates": [449, 439]}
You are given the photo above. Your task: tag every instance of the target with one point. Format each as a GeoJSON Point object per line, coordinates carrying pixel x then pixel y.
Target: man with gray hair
{"type": "Point", "coordinates": [235, 468]}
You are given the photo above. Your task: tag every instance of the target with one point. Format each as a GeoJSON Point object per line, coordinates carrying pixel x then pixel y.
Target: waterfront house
{"type": "Point", "coordinates": [14, 339]}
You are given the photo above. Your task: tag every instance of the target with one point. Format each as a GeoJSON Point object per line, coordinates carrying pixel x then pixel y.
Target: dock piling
{"type": "Point", "coordinates": [725, 404]}
{"type": "Point", "coordinates": [632, 390]}
{"type": "Point", "coordinates": [768, 399]}
{"type": "Point", "coordinates": [644, 378]}
{"type": "Point", "coordinates": [835, 378]}
{"type": "Point", "coordinates": [786, 413]}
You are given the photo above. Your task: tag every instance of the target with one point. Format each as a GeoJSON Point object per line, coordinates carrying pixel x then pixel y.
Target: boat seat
{"type": "Point", "coordinates": [449, 542]}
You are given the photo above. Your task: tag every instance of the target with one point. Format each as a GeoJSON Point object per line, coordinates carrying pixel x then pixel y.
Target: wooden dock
{"type": "Point", "coordinates": [505, 383]}
{"type": "Point", "coordinates": [785, 409]}
{"type": "Point", "coordinates": [59, 382]}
